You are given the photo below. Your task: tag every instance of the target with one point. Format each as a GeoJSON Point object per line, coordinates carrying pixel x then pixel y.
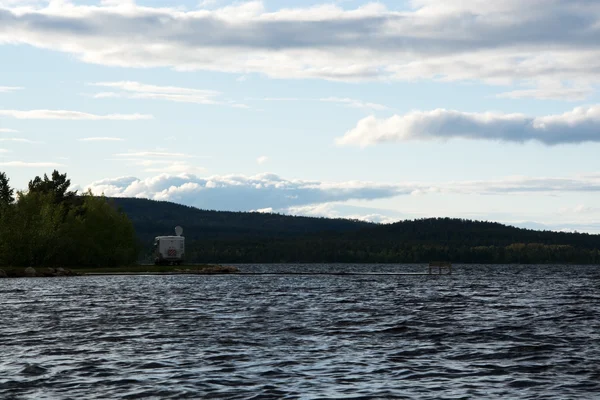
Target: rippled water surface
{"type": "Point", "coordinates": [484, 332]}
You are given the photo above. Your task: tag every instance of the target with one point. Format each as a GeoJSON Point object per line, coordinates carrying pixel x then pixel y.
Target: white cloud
{"type": "Point", "coordinates": [580, 209]}
{"type": "Point", "coordinates": [9, 89]}
{"type": "Point", "coordinates": [23, 2]}
{"type": "Point", "coordinates": [18, 140]}
{"type": "Point", "coordinates": [106, 95]}
{"type": "Point", "coordinates": [579, 125]}
{"type": "Point", "coordinates": [284, 99]}
{"type": "Point", "coordinates": [4, 151]}
{"type": "Point", "coordinates": [347, 102]}
{"type": "Point", "coordinates": [70, 115]}
{"type": "Point", "coordinates": [522, 185]}
{"type": "Point", "coordinates": [355, 103]}
{"type": "Point", "coordinates": [335, 210]}
{"type": "Point", "coordinates": [6, 130]}
{"type": "Point", "coordinates": [101, 139]}
{"type": "Point", "coordinates": [137, 90]}
{"type": "Point", "coordinates": [512, 41]}
{"type": "Point", "coordinates": [262, 159]}
{"type": "Point", "coordinates": [550, 90]}
{"type": "Point", "coordinates": [137, 87]}
{"type": "Point", "coordinates": [25, 164]}
{"type": "Point", "coordinates": [153, 154]}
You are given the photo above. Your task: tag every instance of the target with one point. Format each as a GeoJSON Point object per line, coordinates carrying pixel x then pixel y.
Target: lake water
{"type": "Point", "coordinates": [524, 332]}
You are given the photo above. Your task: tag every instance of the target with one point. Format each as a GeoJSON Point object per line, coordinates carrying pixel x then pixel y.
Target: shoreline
{"type": "Point", "coordinates": [214, 269]}
{"type": "Point", "coordinates": [49, 272]}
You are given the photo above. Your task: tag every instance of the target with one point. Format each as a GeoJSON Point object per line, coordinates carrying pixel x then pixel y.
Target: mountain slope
{"type": "Point", "coordinates": [153, 218]}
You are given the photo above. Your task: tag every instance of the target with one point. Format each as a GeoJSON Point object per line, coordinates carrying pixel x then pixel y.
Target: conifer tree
{"type": "Point", "coordinates": [6, 192]}
{"type": "Point", "coordinates": [58, 186]}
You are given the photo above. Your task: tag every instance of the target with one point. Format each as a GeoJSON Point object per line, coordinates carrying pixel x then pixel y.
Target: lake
{"type": "Point", "coordinates": [524, 332]}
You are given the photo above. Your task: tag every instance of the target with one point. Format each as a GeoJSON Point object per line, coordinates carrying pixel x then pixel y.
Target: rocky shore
{"type": "Point", "coordinates": [32, 272]}
{"type": "Point", "coordinates": [213, 269]}
{"type": "Point", "coordinates": [137, 270]}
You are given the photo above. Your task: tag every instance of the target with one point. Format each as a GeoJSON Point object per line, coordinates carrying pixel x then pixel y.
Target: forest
{"type": "Point", "coordinates": [242, 237]}
{"type": "Point", "coordinates": [50, 226]}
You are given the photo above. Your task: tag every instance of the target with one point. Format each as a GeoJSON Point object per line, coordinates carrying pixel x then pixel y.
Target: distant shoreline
{"type": "Point", "coordinates": [217, 269]}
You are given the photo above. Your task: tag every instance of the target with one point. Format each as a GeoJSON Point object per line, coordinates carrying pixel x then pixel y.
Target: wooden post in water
{"type": "Point", "coordinates": [441, 266]}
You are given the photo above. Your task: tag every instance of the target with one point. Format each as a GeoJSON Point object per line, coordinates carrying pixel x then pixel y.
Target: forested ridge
{"type": "Point", "coordinates": [241, 237]}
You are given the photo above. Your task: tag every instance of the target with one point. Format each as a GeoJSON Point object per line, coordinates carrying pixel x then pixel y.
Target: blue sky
{"type": "Point", "coordinates": [378, 111]}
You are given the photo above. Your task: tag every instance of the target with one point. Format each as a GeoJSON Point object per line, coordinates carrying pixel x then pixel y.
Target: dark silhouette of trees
{"type": "Point", "coordinates": [6, 192]}
{"type": "Point", "coordinates": [240, 237]}
{"type": "Point", "coordinates": [58, 186]}
{"type": "Point", "coordinates": [49, 226]}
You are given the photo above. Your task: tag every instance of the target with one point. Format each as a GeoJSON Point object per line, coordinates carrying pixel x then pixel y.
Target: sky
{"type": "Point", "coordinates": [378, 111]}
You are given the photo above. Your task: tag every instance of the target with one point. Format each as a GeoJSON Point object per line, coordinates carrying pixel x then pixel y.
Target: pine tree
{"type": "Point", "coordinates": [58, 185]}
{"type": "Point", "coordinates": [6, 192]}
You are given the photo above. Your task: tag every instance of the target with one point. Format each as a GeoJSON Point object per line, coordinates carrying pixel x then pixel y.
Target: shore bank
{"type": "Point", "coordinates": [203, 269]}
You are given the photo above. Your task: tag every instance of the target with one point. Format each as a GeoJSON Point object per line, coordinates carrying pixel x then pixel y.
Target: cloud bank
{"type": "Point", "coordinates": [273, 193]}
{"type": "Point", "coordinates": [577, 126]}
{"type": "Point", "coordinates": [243, 193]}
{"type": "Point", "coordinates": [455, 40]}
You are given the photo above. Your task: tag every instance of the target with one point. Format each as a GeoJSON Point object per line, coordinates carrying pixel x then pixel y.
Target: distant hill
{"type": "Point", "coordinates": [153, 218]}
{"type": "Point", "coordinates": [241, 237]}
{"type": "Point", "coordinates": [456, 232]}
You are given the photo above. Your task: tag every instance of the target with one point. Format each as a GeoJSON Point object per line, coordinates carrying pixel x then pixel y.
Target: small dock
{"type": "Point", "coordinates": [440, 268]}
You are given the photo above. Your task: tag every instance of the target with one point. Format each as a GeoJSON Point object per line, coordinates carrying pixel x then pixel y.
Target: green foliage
{"type": "Point", "coordinates": [49, 227]}
{"type": "Point", "coordinates": [97, 234]}
{"type": "Point", "coordinates": [30, 230]}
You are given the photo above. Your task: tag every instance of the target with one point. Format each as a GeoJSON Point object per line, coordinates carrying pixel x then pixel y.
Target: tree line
{"type": "Point", "coordinates": [328, 250]}
{"type": "Point", "coordinates": [51, 226]}
{"type": "Point", "coordinates": [242, 237]}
